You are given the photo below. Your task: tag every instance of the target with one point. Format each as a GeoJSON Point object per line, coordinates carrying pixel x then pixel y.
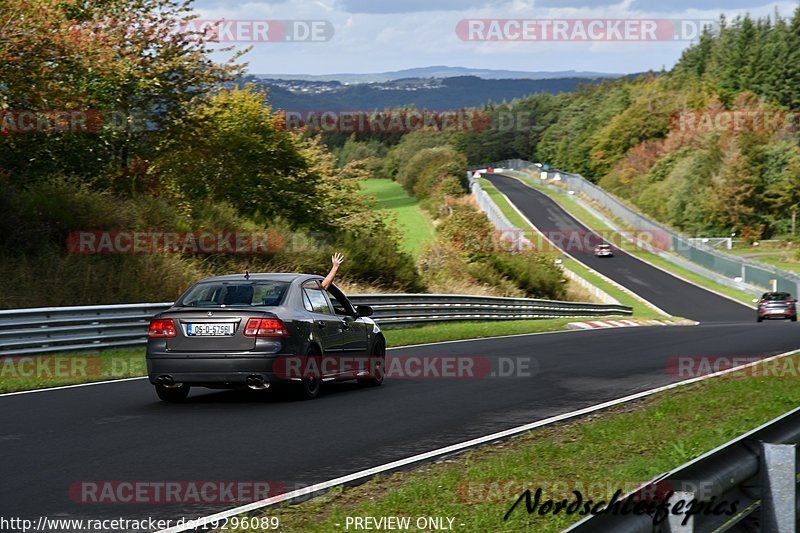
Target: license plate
{"type": "Point", "coordinates": [209, 330]}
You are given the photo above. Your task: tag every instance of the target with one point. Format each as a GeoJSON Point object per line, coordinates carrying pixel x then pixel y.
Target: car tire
{"type": "Point", "coordinates": [173, 394]}
{"type": "Point", "coordinates": [759, 319]}
{"type": "Point", "coordinates": [794, 318]}
{"type": "Point", "coordinates": [378, 361]}
{"type": "Point", "coordinates": [308, 387]}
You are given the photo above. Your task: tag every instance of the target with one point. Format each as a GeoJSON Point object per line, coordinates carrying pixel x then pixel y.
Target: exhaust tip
{"type": "Point", "coordinates": [256, 382]}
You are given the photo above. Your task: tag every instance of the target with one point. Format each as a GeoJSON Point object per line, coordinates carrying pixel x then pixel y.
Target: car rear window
{"type": "Point", "coordinates": [773, 296]}
{"type": "Point", "coordinates": [234, 293]}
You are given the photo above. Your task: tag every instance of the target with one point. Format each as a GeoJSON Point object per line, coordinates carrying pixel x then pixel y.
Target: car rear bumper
{"type": "Point", "coordinates": [777, 314]}
{"type": "Point", "coordinates": [228, 371]}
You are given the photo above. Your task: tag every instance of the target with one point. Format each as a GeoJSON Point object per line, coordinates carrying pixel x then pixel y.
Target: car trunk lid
{"type": "Point", "coordinates": [211, 330]}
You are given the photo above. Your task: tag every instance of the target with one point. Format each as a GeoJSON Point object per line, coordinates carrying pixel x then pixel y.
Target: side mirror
{"type": "Point", "coordinates": [364, 310]}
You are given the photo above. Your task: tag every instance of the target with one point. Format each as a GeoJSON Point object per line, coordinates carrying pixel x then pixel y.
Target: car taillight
{"type": "Point", "coordinates": [162, 327]}
{"type": "Point", "coordinates": [265, 327]}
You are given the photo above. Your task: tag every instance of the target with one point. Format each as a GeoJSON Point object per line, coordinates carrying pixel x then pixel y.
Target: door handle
{"type": "Point", "coordinates": [321, 323]}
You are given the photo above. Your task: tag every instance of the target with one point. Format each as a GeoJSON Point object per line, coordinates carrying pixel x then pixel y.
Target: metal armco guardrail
{"type": "Point", "coordinates": [58, 329]}
{"type": "Point", "coordinates": [727, 267]}
{"type": "Point", "coordinates": [758, 471]}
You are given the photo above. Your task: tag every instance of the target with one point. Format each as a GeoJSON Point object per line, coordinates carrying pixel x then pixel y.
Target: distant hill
{"type": "Point", "coordinates": [449, 93]}
{"type": "Point", "coordinates": [439, 72]}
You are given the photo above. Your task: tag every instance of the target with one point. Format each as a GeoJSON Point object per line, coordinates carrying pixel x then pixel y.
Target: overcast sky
{"type": "Point", "coordinates": [385, 35]}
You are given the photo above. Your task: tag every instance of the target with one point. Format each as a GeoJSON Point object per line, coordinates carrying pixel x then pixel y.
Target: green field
{"type": "Point", "coordinates": [785, 258]}
{"type": "Point", "coordinates": [415, 224]}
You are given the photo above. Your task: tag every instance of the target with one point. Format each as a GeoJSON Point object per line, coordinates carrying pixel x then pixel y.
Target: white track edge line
{"type": "Point", "coordinates": [449, 449]}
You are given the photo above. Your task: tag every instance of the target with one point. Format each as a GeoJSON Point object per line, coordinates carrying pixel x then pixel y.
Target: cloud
{"type": "Point", "coordinates": [679, 5]}
{"type": "Point", "coordinates": [409, 6]}
{"type": "Point", "coordinates": [656, 6]}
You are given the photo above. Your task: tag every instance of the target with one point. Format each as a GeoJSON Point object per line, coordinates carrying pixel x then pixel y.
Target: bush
{"type": "Point", "coordinates": [420, 174]}
{"type": "Point", "coordinates": [535, 274]}
{"type": "Point", "coordinates": [468, 231]}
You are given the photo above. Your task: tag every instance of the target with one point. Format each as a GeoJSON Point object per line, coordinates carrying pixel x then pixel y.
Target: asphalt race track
{"type": "Point", "coordinates": [669, 293]}
{"type": "Point", "coordinates": [53, 440]}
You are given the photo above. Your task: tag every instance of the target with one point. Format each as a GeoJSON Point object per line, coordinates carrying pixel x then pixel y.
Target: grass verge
{"type": "Point", "coordinates": [640, 309]}
{"type": "Point", "coordinates": [54, 370]}
{"type": "Point", "coordinates": [415, 225]}
{"type": "Point", "coordinates": [785, 258]}
{"type": "Point", "coordinates": [598, 454]}
{"type": "Point", "coordinates": [594, 223]}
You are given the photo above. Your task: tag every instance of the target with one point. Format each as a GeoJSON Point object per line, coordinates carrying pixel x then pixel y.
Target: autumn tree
{"type": "Point", "coordinates": [125, 60]}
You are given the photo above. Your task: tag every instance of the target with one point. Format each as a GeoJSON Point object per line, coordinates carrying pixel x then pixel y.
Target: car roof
{"type": "Point", "coordinates": [261, 276]}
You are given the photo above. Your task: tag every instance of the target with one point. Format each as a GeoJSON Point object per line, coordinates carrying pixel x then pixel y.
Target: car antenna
{"type": "Point", "coordinates": [246, 274]}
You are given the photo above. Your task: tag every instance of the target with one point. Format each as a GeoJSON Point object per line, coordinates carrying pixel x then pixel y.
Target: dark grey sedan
{"type": "Point", "coordinates": [261, 331]}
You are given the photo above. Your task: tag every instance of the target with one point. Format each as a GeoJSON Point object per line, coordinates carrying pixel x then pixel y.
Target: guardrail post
{"type": "Point", "coordinates": [778, 487]}
{"type": "Point", "coordinates": [675, 521]}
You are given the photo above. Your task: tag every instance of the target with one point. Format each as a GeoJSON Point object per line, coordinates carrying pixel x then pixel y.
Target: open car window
{"type": "Point", "coordinates": [314, 299]}
{"type": "Point", "coordinates": [341, 305]}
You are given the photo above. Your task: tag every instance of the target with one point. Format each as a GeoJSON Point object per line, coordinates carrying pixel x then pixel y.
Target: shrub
{"type": "Point", "coordinates": [535, 274]}
{"type": "Point", "coordinates": [468, 231]}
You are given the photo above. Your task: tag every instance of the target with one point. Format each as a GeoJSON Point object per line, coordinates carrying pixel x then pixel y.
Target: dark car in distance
{"type": "Point", "coordinates": [776, 305]}
{"type": "Point", "coordinates": [259, 331]}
